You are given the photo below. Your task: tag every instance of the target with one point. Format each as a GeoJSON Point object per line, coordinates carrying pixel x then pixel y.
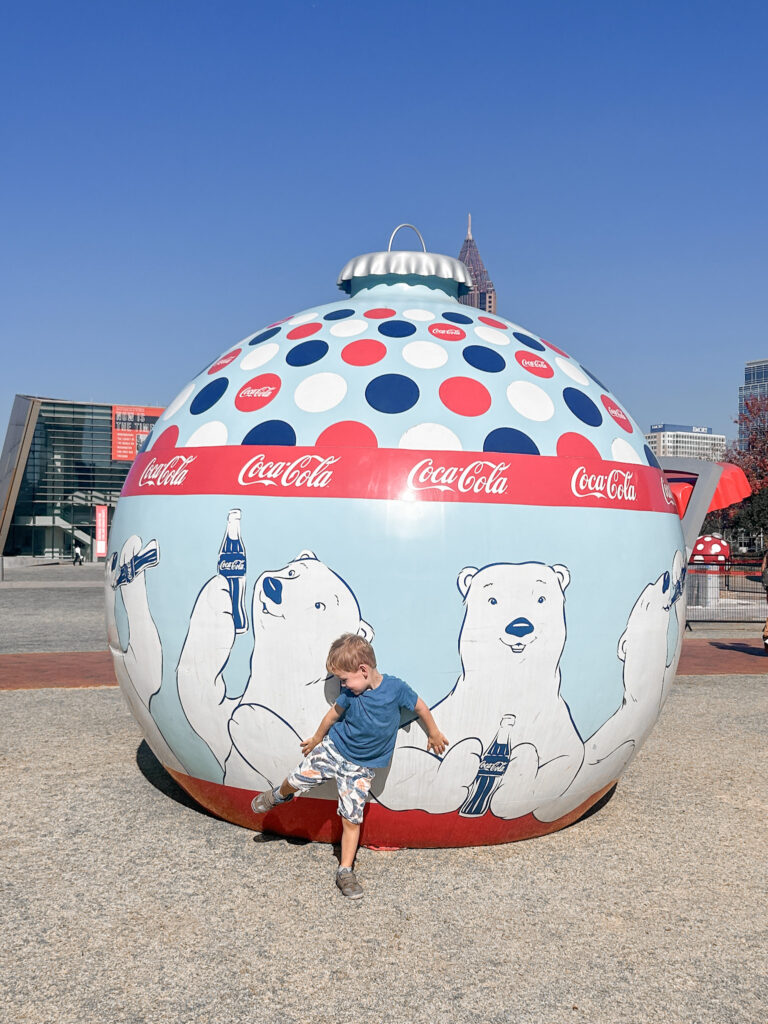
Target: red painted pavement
{"type": "Point", "coordinates": [741, 656]}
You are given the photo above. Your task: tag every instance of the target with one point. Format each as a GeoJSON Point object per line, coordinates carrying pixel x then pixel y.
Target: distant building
{"type": "Point", "coordinates": [681, 441]}
{"type": "Point", "coordinates": [483, 294]}
{"type": "Point", "coordinates": [755, 386]}
{"type": "Point", "coordinates": [62, 468]}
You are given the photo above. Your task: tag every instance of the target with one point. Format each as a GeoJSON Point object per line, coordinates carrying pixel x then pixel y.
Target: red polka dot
{"type": "Point", "coordinates": [168, 439]}
{"type": "Point", "coordinates": [555, 348]}
{"type": "Point", "coordinates": [492, 323]}
{"type": "Point", "coordinates": [348, 433]}
{"type": "Point", "coordinates": [447, 332]}
{"type": "Point", "coordinates": [379, 314]}
{"type": "Point", "coordinates": [258, 392]}
{"type": "Point", "coordinates": [534, 364]}
{"type": "Point", "coordinates": [283, 321]}
{"type": "Point", "coordinates": [304, 331]}
{"type": "Point", "coordinates": [364, 352]}
{"type": "Point", "coordinates": [465, 396]}
{"type": "Point", "coordinates": [617, 413]}
{"type": "Point", "coordinates": [225, 360]}
{"type": "Point", "coordinates": [577, 447]}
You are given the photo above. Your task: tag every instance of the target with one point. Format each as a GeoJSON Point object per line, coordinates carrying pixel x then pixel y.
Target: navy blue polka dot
{"type": "Point", "coordinates": [396, 329]}
{"type": "Point", "coordinates": [392, 392]}
{"type": "Point", "coordinates": [483, 358]}
{"type": "Point", "coordinates": [457, 318]}
{"type": "Point", "coordinates": [507, 439]}
{"type": "Point", "coordinates": [271, 432]}
{"type": "Point", "coordinates": [582, 407]}
{"type": "Point", "coordinates": [652, 460]}
{"type": "Point", "coordinates": [594, 378]}
{"type": "Point", "coordinates": [264, 336]}
{"type": "Point", "coordinates": [339, 314]}
{"type": "Point", "coordinates": [306, 353]}
{"type": "Point", "coordinates": [526, 339]}
{"type": "Point", "coordinates": [209, 396]}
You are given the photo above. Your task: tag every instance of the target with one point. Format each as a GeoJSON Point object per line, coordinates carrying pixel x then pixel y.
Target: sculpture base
{"type": "Point", "coordinates": [309, 818]}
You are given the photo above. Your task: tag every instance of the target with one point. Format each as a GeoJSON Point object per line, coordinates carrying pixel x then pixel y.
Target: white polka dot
{"type": "Point", "coordinates": [320, 392]}
{"type": "Point", "coordinates": [425, 355]}
{"type": "Point", "coordinates": [572, 371]}
{"type": "Point", "coordinates": [715, 548]}
{"type": "Point", "coordinates": [210, 434]}
{"type": "Point", "coordinates": [303, 318]}
{"type": "Point", "coordinates": [348, 328]}
{"type": "Point", "coordinates": [699, 547]}
{"type": "Point", "coordinates": [490, 334]}
{"type": "Point", "coordinates": [698, 558]}
{"type": "Point", "coordinates": [260, 355]}
{"type": "Point", "coordinates": [432, 437]}
{"type": "Point", "coordinates": [178, 401]}
{"type": "Point", "coordinates": [721, 558]}
{"type": "Point", "coordinates": [708, 537]}
{"type": "Point", "coordinates": [622, 451]}
{"type": "Point", "coordinates": [530, 400]}
{"type": "Point", "coordinates": [420, 315]}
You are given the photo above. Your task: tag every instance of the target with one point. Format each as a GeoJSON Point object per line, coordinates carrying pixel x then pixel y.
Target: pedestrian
{"type": "Point", "coordinates": [78, 555]}
{"type": "Point", "coordinates": [355, 737]}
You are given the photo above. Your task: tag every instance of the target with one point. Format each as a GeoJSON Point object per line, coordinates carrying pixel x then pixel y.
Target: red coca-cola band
{"type": "Point", "coordinates": [389, 474]}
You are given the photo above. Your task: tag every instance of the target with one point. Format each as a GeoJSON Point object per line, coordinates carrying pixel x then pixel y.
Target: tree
{"type": "Point", "coordinates": [751, 514]}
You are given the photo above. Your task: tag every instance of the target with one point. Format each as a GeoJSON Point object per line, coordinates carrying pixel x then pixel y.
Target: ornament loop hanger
{"type": "Point", "coordinates": [413, 228]}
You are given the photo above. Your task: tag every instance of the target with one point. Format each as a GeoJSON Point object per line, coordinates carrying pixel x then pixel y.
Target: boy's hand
{"type": "Point", "coordinates": [310, 744]}
{"type": "Point", "coordinates": [436, 742]}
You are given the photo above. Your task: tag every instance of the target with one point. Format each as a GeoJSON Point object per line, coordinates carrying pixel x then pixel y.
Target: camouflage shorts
{"type": "Point", "coordinates": [352, 780]}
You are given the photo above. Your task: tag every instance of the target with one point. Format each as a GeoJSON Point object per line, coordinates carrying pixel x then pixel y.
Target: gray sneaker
{"type": "Point", "coordinates": [348, 883]}
{"type": "Point", "coordinates": [267, 800]}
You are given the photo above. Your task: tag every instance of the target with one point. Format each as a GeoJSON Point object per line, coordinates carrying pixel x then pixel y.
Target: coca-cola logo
{"type": "Point", "coordinates": [616, 485]}
{"type": "Point", "coordinates": [617, 413]}
{"type": "Point", "coordinates": [307, 471]}
{"type": "Point", "coordinates": [479, 477]}
{"type": "Point", "coordinates": [166, 474]}
{"type": "Point", "coordinates": [258, 392]}
{"type": "Point", "coordinates": [231, 565]}
{"type": "Point", "coordinates": [225, 360]}
{"type": "Point", "coordinates": [447, 332]}
{"type": "Point", "coordinates": [497, 766]}
{"type": "Point", "coordinates": [534, 364]}
{"type": "Point", "coordinates": [666, 490]}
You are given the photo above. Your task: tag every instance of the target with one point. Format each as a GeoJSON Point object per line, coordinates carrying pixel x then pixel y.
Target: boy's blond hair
{"type": "Point", "coordinates": [348, 653]}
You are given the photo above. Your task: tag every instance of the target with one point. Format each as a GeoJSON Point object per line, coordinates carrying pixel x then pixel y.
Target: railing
{"type": "Point", "coordinates": [730, 592]}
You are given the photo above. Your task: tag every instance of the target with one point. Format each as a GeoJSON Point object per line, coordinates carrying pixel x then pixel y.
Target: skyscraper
{"type": "Point", "coordinates": [483, 294]}
{"type": "Point", "coordinates": [755, 386]}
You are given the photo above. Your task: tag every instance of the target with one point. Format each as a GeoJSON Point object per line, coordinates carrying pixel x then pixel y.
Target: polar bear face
{"type": "Point", "coordinates": [513, 610]}
{"type": "Point", "coordinates": [643, 644]}
{"type": "Point", "coordinates": [306, 602]}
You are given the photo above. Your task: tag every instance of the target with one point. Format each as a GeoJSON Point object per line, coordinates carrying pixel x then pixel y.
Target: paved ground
{"type": "Point", "coordinates": [52, 608]}
{"type": "Point", "coordinates": [123, 902]}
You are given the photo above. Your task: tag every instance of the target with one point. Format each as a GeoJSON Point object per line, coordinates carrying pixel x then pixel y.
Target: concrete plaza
{"type": "Point", "coordinates": [124, 902]}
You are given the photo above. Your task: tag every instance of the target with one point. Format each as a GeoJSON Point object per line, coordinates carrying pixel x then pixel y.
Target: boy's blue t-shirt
{"type": "Point", "coordinates": [367, 733]}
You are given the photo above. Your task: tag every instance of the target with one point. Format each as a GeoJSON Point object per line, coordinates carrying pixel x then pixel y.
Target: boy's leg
{"type": "Point", "coordinates": [314, 769]}
{"type": "Point", "coordinates": [350, 837]}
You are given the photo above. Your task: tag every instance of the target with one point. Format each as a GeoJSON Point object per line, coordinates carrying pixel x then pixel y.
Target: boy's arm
{"type": "Point", "coordinates": [332, 716]}
{"type": "Point", "coordinates": [435, 739]}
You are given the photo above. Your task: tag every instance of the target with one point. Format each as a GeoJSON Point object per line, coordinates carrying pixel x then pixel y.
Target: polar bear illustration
{"type": "Point", "coordinates": [511, 642]}
{"type": "Point", "coordinates": [643, 650]}
{"type": "Point", "coordinates": [138, 667]}
{"type": "Point", "coordinates": [297, 612]}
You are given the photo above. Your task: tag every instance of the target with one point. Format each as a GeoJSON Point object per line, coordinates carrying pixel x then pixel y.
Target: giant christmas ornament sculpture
{"type": "Point", "coordinates": [401, 466]}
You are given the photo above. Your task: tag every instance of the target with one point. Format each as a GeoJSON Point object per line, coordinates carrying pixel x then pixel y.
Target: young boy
{"type": "Point", "coordinates": [356, 736]}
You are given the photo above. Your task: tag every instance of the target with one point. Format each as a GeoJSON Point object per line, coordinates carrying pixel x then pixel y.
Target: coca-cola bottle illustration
{"type": "Point", "coordinates": [493, 764]}
{"type": "Point", "coordinates": [232, 568]}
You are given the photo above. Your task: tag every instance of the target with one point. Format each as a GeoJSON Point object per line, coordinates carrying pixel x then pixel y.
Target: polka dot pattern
{"type": "Point", "coordinates": [617, 413]}
{"type": "Point", "coordinates": [576, 446]}
{"type": "Point", "coordinates": [304, 331]}
{"type": "Point", "coordinates": [572, 370]}
{"type": "Point", "coordinates": [271, 432]}
{"type": "Point", "coordinates": [260, 356]}
{"type": "Point", "coordinates": [465, 396]}
{"type": "Point", "coordinates": [447, 332]}
{"type": "Point", "coordinates": [224, 361]}
{"type": "Point", "coordinates": [349, 328]}
{"type": "Point", "coordinates": [582, 407]}
{"type": "Point", "coordinates": [419, 315]}
{"type": "Point", "coordinates": [307, 353]}
{"type": "Point", "coordinates": [348, 433]}
{"type": "Point", "coordinates": [339, 314]}
{"type": "Point", "coordinates": [209, 396]}
{"type": "Point", "coordinates": [397, 329]}
{"type": "Point", "coordinates": [483, 358]}
{"type": "Point", "coordinates": [430, 437]}
{"type": "Point", "coordinates": [490, 322]}
{"type": "Point", "coordinates": [378, 314]}
{"type": "Point", "coordinates": [365, 352]}
{"type": "Point", "coordinates": [425, 355]}
{"type": "Point", "coordinates": [534, 364]}
{"type": "Point", "coordinates": [526, 339]}
{"type": "Point", "coordinates": [622, 451]}
{"type": "Point", "coordinates": [208, 435]}
{"type": "Point", "coordinates": [258, 392]}
{"type": "Point", "coordinates": [510, 440]}
{"type": "Point", "coordinates": [392, 393]}
{"type": "Point", "coordinates": [321, 392]}
{"type": "Point", "coordinates": [264, 336]}
{"type": "Point", "coordinates": [457, 318]}
{"type": "Point", "coordinates": [530, 401]}
{"type": "Point", "coordinates": [492, 336]}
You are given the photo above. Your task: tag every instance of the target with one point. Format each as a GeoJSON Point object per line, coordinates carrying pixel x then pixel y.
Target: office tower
{"type": "Point", "coordinates": [686, 442]}
{"type": "Point", "coordinates": [755, 386]}
{"type": "Point", "coordinates": [482, 294]}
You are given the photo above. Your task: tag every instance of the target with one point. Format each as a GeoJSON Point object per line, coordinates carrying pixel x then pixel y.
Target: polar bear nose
{"type": "Point", "coordinates": [519, 627]}
{"type": "Point", "coordinates": [273, 589]}
{"type": "Point", "coordinates": [665, 584]}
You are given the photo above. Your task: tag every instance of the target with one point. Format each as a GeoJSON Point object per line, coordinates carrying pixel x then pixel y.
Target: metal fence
{"type": "Point", "coordinates": [731, 592]}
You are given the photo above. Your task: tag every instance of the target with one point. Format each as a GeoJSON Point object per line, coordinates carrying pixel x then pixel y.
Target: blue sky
{"type": "Point", "coordinates": [177, 174]}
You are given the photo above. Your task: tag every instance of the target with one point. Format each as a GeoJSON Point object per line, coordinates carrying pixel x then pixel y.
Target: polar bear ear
{"type": "Point", "coordinates": [621, 651]}
{"type": "Point", "coordinates": [366, 631]}
{"type": "Point", "coordinates": [465, 578]}
{"type": "Point", "coordinates": [305, 554]}
{"type": "Point", "coordinates": [563, 575]}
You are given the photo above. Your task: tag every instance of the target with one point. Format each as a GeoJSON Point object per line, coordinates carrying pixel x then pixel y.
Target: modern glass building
{"type": "Point", "coordinates": [755, 386]}
{"type": "Point", "coordinates": [61, 461]}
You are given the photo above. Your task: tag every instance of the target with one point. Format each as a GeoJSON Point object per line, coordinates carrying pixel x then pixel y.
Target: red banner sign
{"type": "Point", "coordinates": [130, 426]}
{"type": "Point", "coordinates": [100, 549]}
{"type": "Point", "coordinates": [389, 474]}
